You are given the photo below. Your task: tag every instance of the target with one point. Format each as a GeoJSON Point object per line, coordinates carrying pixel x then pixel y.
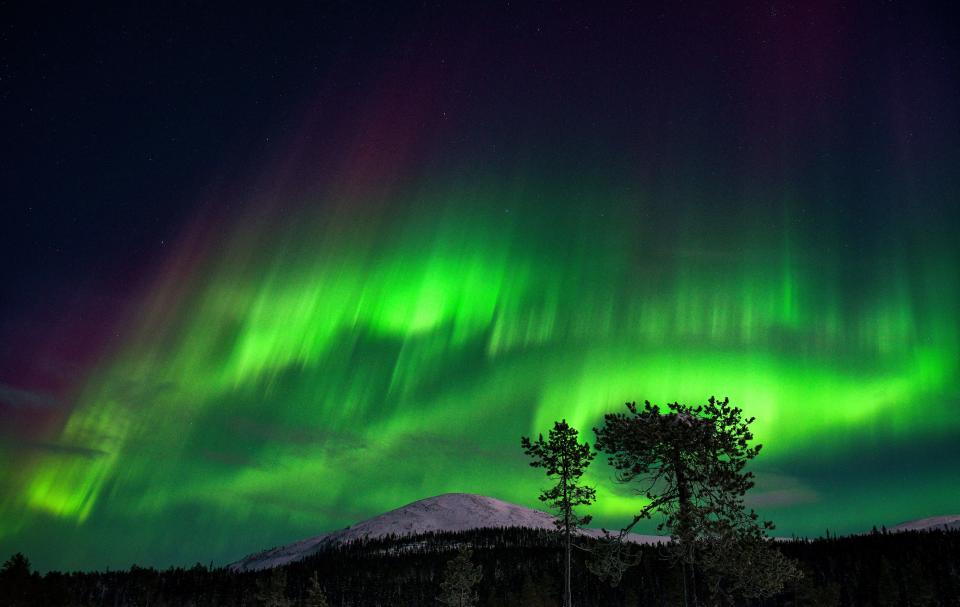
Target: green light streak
{"type": "Point", "coordinates": [330, 364]}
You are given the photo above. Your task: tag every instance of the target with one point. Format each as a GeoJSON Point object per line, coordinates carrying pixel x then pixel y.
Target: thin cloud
{"type": "Point", "coordinates": [64, 449]}
{"type": "Point", "coordinates": [783, 497]}
{"type": "Point", "coordinates": [18, 398]}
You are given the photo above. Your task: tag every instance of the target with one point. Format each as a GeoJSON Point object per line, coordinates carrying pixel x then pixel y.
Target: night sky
{"type": "Point", "coordinates": [268, 273]}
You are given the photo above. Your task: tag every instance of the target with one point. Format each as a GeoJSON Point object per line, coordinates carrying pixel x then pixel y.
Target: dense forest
{"type": "Point", "coordinates": [521, 567]}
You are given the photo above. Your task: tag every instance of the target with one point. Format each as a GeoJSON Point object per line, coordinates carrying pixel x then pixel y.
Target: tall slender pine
{"type": "Point", "coordinates": [565, 459]}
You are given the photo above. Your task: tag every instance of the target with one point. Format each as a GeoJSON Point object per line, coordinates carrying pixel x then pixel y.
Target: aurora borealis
{"type": "Point", "coordinates": [477, 224]}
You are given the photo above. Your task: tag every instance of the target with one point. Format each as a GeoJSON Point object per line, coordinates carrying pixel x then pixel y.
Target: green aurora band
{"type": "Point", "coordinates": [310, 363]}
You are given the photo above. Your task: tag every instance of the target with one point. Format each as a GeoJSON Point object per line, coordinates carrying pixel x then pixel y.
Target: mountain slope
{"type": "Point", "coordinates": [448, 512]}
{"type": "Point", "coordinates": [950, 521]}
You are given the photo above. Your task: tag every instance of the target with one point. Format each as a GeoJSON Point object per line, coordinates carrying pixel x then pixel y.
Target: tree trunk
{"type": "Point", "coordinates": [567, 590]}
{"type": "Point", "coordinates": [567, 593]}
{"type": "Point", "coordinates": [684, 532]}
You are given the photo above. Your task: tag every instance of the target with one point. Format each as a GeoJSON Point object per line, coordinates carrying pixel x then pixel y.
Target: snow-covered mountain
{"type": "Point", "coordinates": [448, 512]}
{"type": "Point", "coordinates": [461, 512]}
{"type": "Point", "coordinates": [950, 521]}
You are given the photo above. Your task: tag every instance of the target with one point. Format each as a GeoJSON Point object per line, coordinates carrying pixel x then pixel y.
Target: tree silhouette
{"type": "Point", "coordinates": [271, 590]}
{"type": "Point", "coordinates": [564, 459]}
{"type": "Point", "coordinates": [315, 595]}
{"type": "Point", "coordinates": [16, 581]}
{"type": "Point", "coordinates": [689, 463]}
{"type": "Point", "coordinates": [459, 580]}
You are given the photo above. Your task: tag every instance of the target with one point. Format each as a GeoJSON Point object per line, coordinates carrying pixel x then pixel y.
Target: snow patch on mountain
{"type": "Point", "coordinates": [450, 512]}
{"type": "Point", "coordinates": [949, 521]}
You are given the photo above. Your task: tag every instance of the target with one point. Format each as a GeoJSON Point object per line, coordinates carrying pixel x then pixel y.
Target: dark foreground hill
{"type": "Point", "coordinates": [521, 568]}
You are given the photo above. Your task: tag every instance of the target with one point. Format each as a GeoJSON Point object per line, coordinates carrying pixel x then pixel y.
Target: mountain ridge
{"type": "Point", "coordinates": [947, 521]}
{"type": "Point", "coordinates": [449, 512]}
{"type": "Point", "coordinates": [452, 512]}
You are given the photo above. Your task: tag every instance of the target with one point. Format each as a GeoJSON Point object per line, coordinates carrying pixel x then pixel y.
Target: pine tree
{"type": "Point", "coordinates": [689, 463]}
{"type": "Point", "coordinates": [315, 595]}
{"type": "Point", "coordinates": [16, 581]}
{"type": "Point", "coordinates": [459, 579]}
{"type": "Point", "coordinates": [611, 556]}
{"type": "Point", "coordinates": [271, 591]}
{"type": "Point", "coordinates": [564, 459]}
{"type": "Point", "coordinates": [888, 590]}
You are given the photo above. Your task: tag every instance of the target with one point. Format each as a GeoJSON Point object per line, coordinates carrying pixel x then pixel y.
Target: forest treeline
{"type": "Point", "coordinates": [521, 567]}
